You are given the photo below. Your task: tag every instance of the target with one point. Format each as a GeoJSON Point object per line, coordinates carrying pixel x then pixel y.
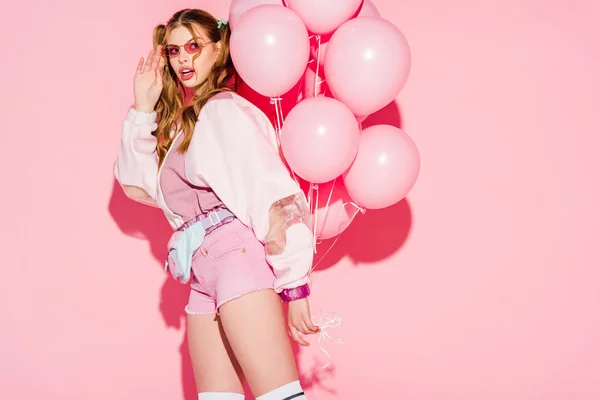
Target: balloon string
{"type": "Point", "coordinates": [277, 102]}
{"type": "Point", "coordinates": [358, 209]}
{"type": "Point", "coordinates": [326, 208]}
{"type": "Point", "coordinates": [279, 123]}
{"type": "Point", "coordinates": [310, 202]}
{"type": "Point", "coordinates": [327, 323]}
{"type": "Point", "coordinates": [317, 65]}
{"type": "Point", "coordinates": [315, 187]}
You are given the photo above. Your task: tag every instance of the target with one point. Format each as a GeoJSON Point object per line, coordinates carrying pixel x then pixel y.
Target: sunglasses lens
{"type": "Point", "coordinates": [171, 51]}
{"type": "Point", "coordinates": [192, 47]}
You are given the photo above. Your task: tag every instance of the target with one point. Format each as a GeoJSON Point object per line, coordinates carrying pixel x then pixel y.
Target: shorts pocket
{"type": "Point", "coordinates": [228, 245]}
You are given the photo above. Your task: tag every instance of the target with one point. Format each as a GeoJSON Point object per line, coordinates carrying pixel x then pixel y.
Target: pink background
{"type": "Point", "coordinates": [484, 285]}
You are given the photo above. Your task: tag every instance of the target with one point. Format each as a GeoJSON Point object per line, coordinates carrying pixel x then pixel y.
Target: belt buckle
{"type": "Point", "coordinates": [214, 218]}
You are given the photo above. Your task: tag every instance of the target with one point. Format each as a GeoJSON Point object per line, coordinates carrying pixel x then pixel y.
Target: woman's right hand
{"type": "Point", "coordinates": [147, 84]}
{"type": "Point", "coordinates": [299, 321]}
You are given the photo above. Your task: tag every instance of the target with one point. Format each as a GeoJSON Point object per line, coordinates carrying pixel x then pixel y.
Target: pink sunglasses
{"type": "Point", "coordinates": [191, 47]}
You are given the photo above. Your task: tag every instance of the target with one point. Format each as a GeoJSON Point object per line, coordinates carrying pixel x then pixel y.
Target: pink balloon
{"type": "Point", "coordinates": [270, 49]}
{"type": "Point", "coordinates": [368, 9]}
{"type": "Point", "coordinates": [385, 169]}
{"type": "Point", "coordinates": [319, 139]}
{"type": "Point", "coordinates": [367, 64]}
{"type": "Point", "coordinates": [334, 218]}
{"type": "Point", "coordinates": [308, 89]}
{"type": "Point", "coordinates": [238, 7]}
{"type": "Point", "coordinates": [324, 16]}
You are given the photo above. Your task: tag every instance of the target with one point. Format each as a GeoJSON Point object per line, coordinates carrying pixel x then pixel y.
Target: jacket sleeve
{"type": "Point", "coordinates": [234, 152]}
{"type": "Point", "coordinates": [137, 162]}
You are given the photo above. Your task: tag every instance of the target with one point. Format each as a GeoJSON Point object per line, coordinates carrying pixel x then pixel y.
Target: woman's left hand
{"type": "Point", "coordinates": [299, 321]}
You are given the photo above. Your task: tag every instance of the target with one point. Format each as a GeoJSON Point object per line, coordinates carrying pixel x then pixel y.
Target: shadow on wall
{"type": "Point", "coordinates": [150, 224]}
{"type": "Point", "coordinates": [371, 237]}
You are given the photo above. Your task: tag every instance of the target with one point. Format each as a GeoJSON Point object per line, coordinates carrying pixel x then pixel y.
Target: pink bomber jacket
{"type": "Point", "coordinates": [234, 152]}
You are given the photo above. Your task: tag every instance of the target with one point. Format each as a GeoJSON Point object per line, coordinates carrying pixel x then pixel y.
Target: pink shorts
{"type": "Point", "coordinates": [230, 263]}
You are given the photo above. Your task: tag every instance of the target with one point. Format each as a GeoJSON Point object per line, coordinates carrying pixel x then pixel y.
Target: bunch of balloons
{"type": "Point", "coordinates": [366, 61]}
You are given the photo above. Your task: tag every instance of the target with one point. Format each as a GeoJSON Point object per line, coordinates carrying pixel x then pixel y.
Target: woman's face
{"type": "Point", "coordinates": [181, 48]}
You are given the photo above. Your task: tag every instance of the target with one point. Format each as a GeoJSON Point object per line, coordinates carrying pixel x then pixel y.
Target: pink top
{"type": "Point", "coordinates": [180, 195]}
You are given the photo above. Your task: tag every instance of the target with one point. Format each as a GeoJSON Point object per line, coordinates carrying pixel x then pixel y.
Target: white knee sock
{"type": "Point", "coordinates": [220, 396]}
{"type": "Point", "coordinates": [290, 391]}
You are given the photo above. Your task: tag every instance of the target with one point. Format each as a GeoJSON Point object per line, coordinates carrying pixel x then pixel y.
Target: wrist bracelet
{"type": "Point", "coordinates": [296, 293]}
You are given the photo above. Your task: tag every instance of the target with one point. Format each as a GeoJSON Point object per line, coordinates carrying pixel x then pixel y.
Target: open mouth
{"type": "Point", "coordinates": [186, 73]}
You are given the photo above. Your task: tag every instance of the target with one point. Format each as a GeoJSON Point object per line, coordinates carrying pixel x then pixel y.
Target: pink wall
{"type": "Point", "coordinates": [484, 285]}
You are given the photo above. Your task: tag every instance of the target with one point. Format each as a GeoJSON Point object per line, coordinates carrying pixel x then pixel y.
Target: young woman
{"type": "Point", "coordinates": [209, 159]}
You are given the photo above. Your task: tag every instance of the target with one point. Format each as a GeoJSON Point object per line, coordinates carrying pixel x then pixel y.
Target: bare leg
{"type": "Point", "coordinates": [256, 328]}
{"type": "Point", "coordinates": [215, 366]}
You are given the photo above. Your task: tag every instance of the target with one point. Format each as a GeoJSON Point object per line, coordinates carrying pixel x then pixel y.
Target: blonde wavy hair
{"type": "Point", "coordinates": [172, 112]}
